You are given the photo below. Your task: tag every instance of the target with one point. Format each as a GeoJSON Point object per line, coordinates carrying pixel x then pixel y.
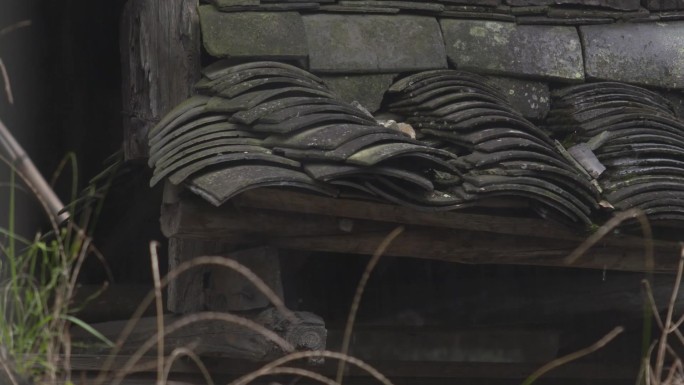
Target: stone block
{"type": "Point", "coordinates": [500, 48]}
{"type": "Point", "coordinates": [373, 43]}
{"type": "Point", "coordinates": [253, 35]}
{"type": "Point", "coordinates": [531, 98]}
{"type": "Point", "coordinates": [368, 90]}
{"type": "Point", "coordinates": [647, 54]}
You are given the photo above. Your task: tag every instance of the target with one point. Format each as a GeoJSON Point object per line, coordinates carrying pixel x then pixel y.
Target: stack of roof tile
{"type": "Point", "coordinates": [634, 133]}
{"type": "Point", "coordinates": [271, 124]}
{"type": "Point", "coordinates": [499, 152]}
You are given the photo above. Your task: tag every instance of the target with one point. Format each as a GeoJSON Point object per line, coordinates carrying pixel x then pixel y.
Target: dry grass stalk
{"type": "Point", "coordinates": [610, 226]}
{"type": "Point", "coordinates": [6, 80]}
{"type": "Point", "coordinates": [11, 28]}
{"type": "Point", "coordinates": [180, 269]}
{"type": "Point", "coordinates": [192, 319]}
{"type": "Point", "coordinates": [351, 317]}
{"type": "Point", "coordinates": [667, 325]}
{"type": "Point", "coordinates": [575, 355]}
{"type": "Point", "coordinates": [20, 161]}
{"type": "Point", "coordinates": [268, 368]}
{"type": "Point", "coordinates": [160, 311]}
{"type": "Point", "coordinates": [302, 373]}
{"type": "Point", "coordinates": [189, 353]}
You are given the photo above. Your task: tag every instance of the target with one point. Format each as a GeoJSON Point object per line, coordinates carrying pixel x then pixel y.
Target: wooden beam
{"type": "Point", "coordinates": [394, 370]}
{"type": "Point", "coordinates": [160, 56]}
{"type": "Point", "coordinates": [482, 248]}
{"type": "Point", "coordinates": [214, 337]}
{"type": "Point", "coordinates": [302, 203]}
{"type": "Point", "coordinates": [455, 237]}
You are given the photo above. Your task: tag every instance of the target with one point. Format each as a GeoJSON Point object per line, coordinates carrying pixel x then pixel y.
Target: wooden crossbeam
{"type": "Point", "coordinates": [299, 221]}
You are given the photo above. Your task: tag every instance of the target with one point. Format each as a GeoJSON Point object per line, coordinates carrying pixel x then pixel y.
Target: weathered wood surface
{"type": "Point", "coordinates": [218, 288]}
{"type": "Point", "coordinates": [514, 297]}
{"type": "Point", "coordinates": [118, 301]}
{"type": "Point", "coordinates": [409, 371]}
{"type": "Point", "coordinates": [302, 203]}
{"type": "Point", "coordinates": [160, 53]}
{"type": "Point", "coordinates": [300, 221]}
{"type": "Point", "coordinates": [215, 337]}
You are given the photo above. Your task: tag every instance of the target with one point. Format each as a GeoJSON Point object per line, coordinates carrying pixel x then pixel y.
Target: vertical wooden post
{"type": "Point", "coordinates": [215, 288]}
{"type": "Point", "coordinates": [160, 55]}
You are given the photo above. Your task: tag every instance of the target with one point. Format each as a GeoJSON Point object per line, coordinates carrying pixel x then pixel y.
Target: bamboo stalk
{"type": "Point", "coordinates": [22, 163]}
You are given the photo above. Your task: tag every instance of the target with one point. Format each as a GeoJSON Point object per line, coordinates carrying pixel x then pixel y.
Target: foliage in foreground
{"type": "Point", "coordinates": [38, 280]}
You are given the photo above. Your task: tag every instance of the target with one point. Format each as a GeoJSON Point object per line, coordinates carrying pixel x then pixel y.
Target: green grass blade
{"type": "Point", "coordinates": [89, 329]}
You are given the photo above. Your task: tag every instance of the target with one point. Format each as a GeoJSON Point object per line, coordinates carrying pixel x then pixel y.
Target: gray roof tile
{"type": "Point", "coordinates": [368, 90]}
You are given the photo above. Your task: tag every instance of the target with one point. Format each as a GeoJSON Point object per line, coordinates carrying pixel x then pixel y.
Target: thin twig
{"type": "Point", "coordinates": [187, 352]}
{"type": "Point", "coordinates": [160, 311]}
{"type": "Point", "coordinates": [303, 373]}
{"type": "Point", "coordinates": [359, 292]}
{"type": "Point", "coordinates": [310, 354]}
{"type": "Point", "coordinates": [6, 81]}
{"type": "Point", "coordinates": [675, 369]}
{"type": "Point", "coordinates": [8, 371]}
{"type": "Point", "coordinates": [195, 318]}
{"type": "Point", "coordinates": [14, 27]}
{"type": "Point", "coordinates": [660, 357]}
{"type": "Point", "coordinates": [651, 301]}
{"type": "Point", "coordinates": [21, 162]}
{"type": "Point", "coordinates": [608, 227]}
{"type": "Point", "coordinates": [180, 269]}
{"type": "Point", "coordinates": [574, 356]}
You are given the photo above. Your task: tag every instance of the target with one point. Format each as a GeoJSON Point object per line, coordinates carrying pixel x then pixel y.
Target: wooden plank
{"type": "Point", "coordinates": [483, 248]}
{"type": "Point", "coordinates": [302, 203]}
{"type": "Point", "coordinates": [312, 230]}
{"type": "Point", "coordinates": [118, 301]}
{"type": "Point", "coordinates": [393, 370]}
{"type": "Point", "coordinates": [214, 337]}
{"type": "Point", "coordinates": [160, 57]}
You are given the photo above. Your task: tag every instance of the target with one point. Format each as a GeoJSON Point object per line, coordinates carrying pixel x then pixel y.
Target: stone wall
{"type": "Point", "coordinates": [358, 46]}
